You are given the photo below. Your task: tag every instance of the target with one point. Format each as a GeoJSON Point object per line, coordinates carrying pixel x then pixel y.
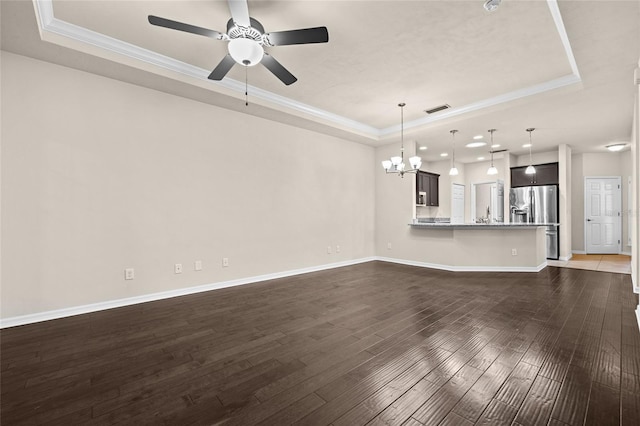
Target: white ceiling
{"type": "Point", "coordinates": [565, 68]}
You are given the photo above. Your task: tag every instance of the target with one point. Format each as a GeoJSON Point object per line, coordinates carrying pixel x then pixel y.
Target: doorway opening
{"type": "Point", "coordinates": [487, 202]}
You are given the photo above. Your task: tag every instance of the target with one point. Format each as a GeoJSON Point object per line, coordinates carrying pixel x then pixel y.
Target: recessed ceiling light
{"type": "Point", "coordinates": [480, 158]}
{"type": "Point", "coordinates": [527, 145]}
{"type": "Point", "coordinates": [475, 144]}
{"type": "Point", "coordinates": [476, 137]}
{"type": "Point", "coordinates": [422, 148]}
{"type": "Point", "coordinates": [495, 145]}
{"type": "Point", "coordinates": [616, 147]}
{"type": "Point", "coordinates": [444, 154]}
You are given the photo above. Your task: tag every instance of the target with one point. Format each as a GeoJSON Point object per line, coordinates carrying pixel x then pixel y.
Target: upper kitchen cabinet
{"type": "Point", "coordinates": [546, 174]}
{"type": "Point", "coordinates": [427, 188]}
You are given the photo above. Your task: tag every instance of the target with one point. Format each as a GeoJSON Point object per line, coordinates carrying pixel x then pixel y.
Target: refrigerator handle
{"type": "Point", "coordinates": [532, 203]}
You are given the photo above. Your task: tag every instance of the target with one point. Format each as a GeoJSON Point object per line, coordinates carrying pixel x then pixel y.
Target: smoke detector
{"type": "Point", "coordinates": [491, 5]}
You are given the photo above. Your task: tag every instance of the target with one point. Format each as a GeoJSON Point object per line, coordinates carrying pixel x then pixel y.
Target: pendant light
{"type": "Point", "coordinates": [492, 170]}
{"type": "Point", "coordinates": [454, 170]}
{"type": "Point", "coordinates": [396, 164]}
{"type": "Point", "coordinates": [530, 170]}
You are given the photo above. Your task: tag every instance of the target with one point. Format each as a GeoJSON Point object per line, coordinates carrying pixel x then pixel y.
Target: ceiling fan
{"type": "Point", "coordinates": [247, 38]}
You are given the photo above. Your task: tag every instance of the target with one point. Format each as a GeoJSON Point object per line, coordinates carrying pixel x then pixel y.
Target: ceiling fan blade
{"type": "Point", "coordinates": [302, 36]}
{"type": "Point", "coordinates": [239, 12]}
{"type": "Point", "coordinates": [278, 70]}
{"type": "Point", "coordinates": [180, 26]}
{"type": "Point", "coordinates": [222, 69]}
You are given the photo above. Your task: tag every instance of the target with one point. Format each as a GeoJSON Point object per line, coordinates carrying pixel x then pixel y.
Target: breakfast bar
{"type": "Point", "coordinates": [508, 247]}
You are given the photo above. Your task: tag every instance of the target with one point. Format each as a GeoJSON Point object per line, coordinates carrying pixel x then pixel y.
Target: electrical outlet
{"type": "Point", "coordinates": [129, 274]}
{"type": "Point", "coordinates": [178, 268]}
{"type": "Point", "coordinates": [197, 265]}
{"type": "Point", "coordinates": [337, 249]}
{"type": "Point", "coordinates": [328, 249]}
{"type": "Point", "coordinates": [388, 246]}
{"type": "Point", "coordinates": [225, 262]}
{"type": "Point", "coordinates": [514, 252]}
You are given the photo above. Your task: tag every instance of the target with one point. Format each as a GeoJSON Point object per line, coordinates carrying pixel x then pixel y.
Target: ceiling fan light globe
{"type": "Point", "coordinates": [245, 51]}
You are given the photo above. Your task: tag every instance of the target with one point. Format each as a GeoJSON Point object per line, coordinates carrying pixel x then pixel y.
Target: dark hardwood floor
{"type": "Point", "coordinates": [375, 343]}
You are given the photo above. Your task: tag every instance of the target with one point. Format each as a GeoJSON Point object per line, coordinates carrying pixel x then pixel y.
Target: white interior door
{"type": "Point", "coordinates": [602, 215]}
{"type": "Point", "coordinates": [457, 203]}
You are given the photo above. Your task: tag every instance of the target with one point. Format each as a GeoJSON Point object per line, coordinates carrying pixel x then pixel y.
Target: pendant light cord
{"type": "Point", "coordinates": [453, 152]}
{"type": "Point", "coordinates": [401, 105]}
{"type": "Point", "coordinates": [530, 159]}
{"type": "Point", "coordinates": [491, 131]}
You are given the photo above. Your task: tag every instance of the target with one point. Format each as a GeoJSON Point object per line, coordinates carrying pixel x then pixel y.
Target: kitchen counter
{"type": "Point", "coordinates": [496, 225]}
{"type": "Point", "coordinates": [508, 247]}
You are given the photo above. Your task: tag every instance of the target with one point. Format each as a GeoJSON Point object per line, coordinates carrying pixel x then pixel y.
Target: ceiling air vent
{"type": "Point", "coordinates": [438, 108]}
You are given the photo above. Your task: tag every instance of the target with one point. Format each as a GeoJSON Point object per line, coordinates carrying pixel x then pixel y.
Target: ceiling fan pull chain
{"type": "Point", "coordinates": [246, 86]}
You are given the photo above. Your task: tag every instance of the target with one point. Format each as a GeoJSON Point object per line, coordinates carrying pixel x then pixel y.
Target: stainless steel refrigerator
{"type": "Point", "coordinates": [538, 204]}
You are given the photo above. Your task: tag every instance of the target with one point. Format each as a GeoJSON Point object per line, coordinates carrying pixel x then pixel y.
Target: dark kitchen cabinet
{"type": "Point", "coordinates": [427, 184]}
{"type": "Point", "coordinates": [546, 174]}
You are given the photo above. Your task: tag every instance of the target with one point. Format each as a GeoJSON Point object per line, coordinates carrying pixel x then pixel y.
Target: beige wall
{"type": "Point", "coordinates": [100, 175]}
{"type": "Point", "coordinates": [598, 164]}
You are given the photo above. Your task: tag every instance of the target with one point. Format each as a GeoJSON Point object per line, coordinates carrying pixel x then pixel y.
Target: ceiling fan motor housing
{"type": "Point", "coordinates": [254, 32]}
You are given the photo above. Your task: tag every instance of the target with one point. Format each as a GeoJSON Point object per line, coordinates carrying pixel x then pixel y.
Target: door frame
{"type": "Point", "coordinates": [472, 204]}
{"type": "Point", "coordinates": [584, 212]}
{"type": "Point", "coordinates": [464, 196]}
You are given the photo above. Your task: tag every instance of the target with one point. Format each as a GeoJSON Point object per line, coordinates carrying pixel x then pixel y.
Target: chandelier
{"type": "Point", "coordinates": [396, 164]}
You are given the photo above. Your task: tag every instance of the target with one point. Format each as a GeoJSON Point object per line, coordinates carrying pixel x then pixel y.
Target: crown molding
{"type": "Point", "coordinates": [48, 23]}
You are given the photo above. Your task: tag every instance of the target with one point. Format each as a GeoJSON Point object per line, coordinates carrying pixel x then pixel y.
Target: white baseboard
{"type": "Point", "coordinates": [566, 258]}
{"type": "Point", "coordinates": [626, 253]}
{"type": "Point", "coordinates": [453, 268]}
{"type": "Point", "coordinates": [101, 306]}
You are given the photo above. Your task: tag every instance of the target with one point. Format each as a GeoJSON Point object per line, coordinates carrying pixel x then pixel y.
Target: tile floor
{"type": "Point", "coordinates": [617, 263]}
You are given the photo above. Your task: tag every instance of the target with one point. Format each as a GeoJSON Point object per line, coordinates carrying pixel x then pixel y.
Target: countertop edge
{"type": "Point", "coordinates": [482, 225]}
